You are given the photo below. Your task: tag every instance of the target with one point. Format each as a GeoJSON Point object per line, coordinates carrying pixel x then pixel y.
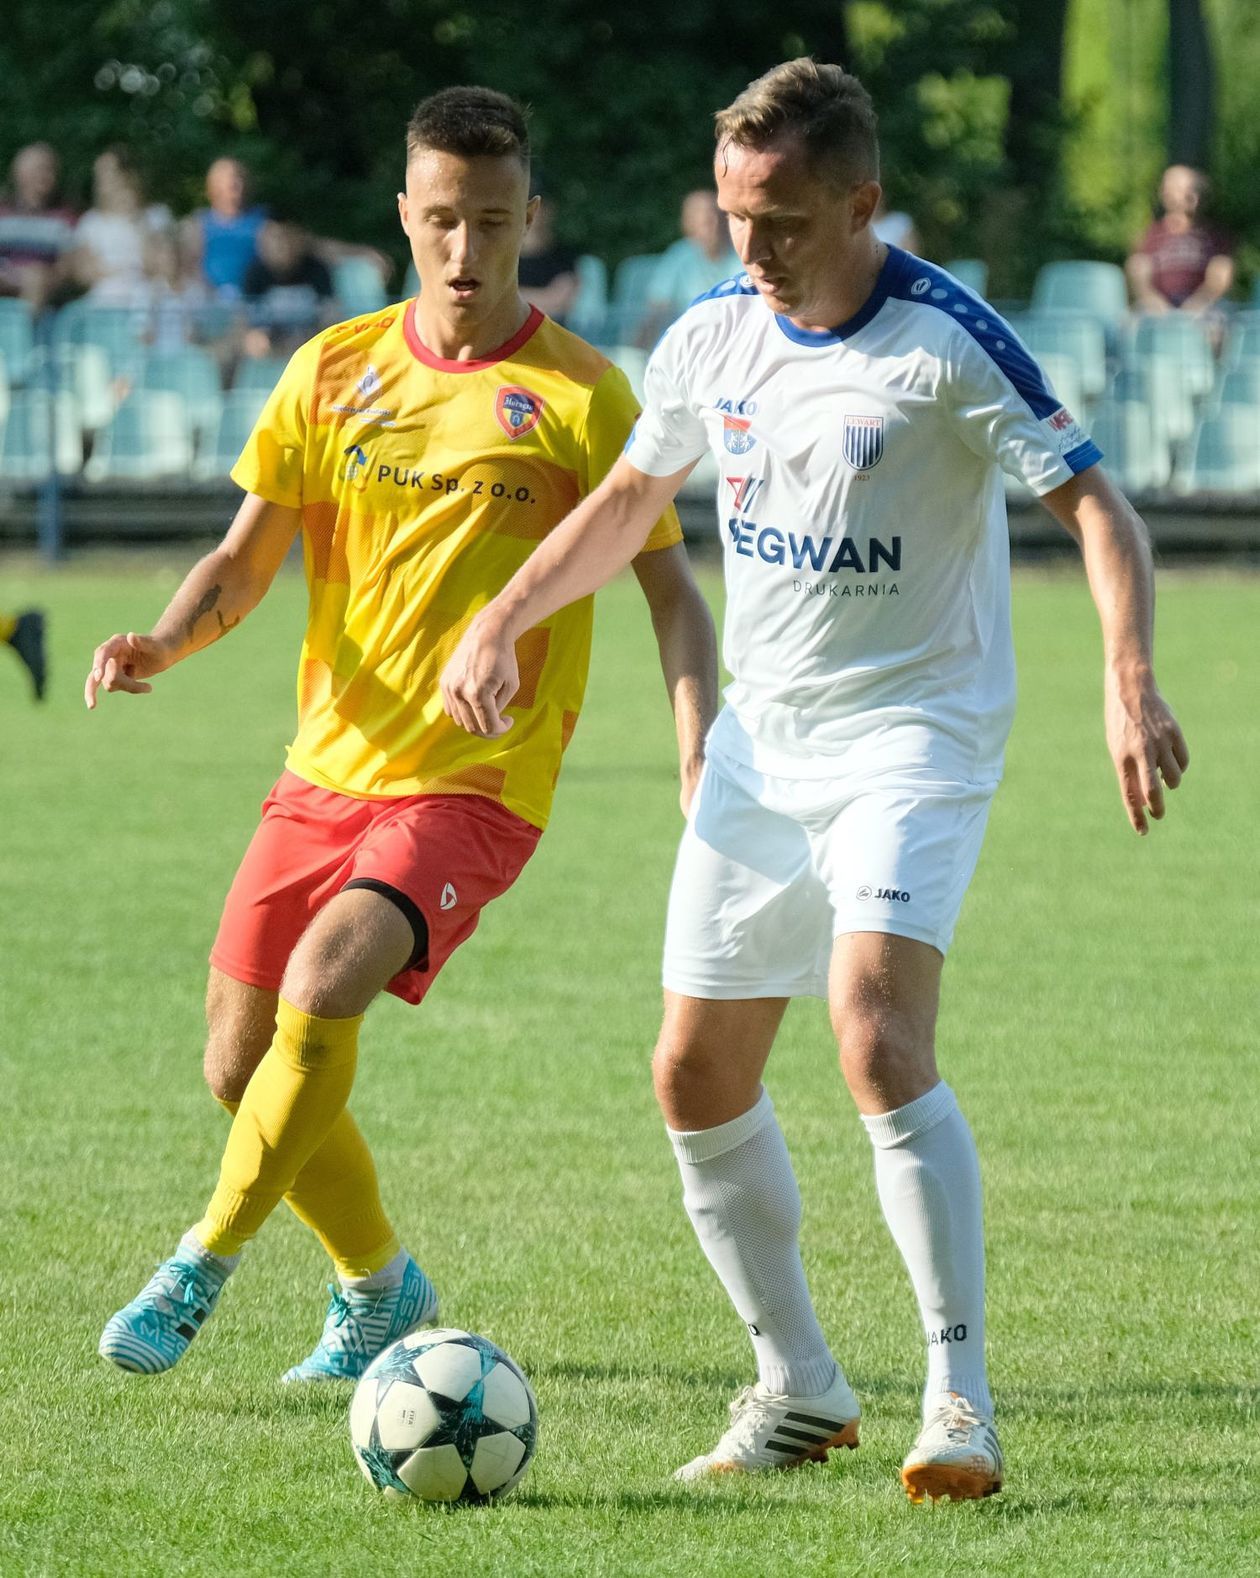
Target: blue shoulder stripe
{"type": "Point", "coordinates": [737, 285]}
{"type": "Point", "coordinates": [931, 286]}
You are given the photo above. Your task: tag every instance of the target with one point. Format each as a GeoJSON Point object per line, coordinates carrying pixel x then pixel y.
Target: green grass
{"type": "Point", "coordinates": [1099, 1024]}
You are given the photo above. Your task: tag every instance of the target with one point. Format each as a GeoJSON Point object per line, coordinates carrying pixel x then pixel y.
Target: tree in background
{"type": "Point", "coordinates": [1012, 129]}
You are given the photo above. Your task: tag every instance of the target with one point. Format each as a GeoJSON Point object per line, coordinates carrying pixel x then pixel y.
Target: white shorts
{"type": "Point", "coordinates": [770, 871]}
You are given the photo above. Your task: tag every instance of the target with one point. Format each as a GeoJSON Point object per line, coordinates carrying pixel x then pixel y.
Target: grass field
{"type": "Point", "coordinates": [1099, 1024]}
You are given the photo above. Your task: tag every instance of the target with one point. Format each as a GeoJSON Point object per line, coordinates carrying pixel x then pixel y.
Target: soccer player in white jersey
{"type": "Point", "coordinates": [861, 404]}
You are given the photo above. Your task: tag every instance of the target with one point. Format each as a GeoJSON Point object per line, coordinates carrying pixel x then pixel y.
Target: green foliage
{"type": "Point", "coordinates": [313, 94]}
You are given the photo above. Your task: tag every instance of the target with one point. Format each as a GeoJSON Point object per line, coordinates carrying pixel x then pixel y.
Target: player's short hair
{"type": "Point", "coordinates": [825, 106]}
{"type": "Point", "coordinates": [470, 122]}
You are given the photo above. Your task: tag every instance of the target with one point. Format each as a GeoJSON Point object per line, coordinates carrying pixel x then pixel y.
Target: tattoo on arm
{"type": "Point", "coordinates": [207, 604]}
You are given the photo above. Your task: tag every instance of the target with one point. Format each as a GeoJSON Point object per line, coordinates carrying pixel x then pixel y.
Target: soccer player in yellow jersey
{"type": "Point", "coordinates": [421, 453]}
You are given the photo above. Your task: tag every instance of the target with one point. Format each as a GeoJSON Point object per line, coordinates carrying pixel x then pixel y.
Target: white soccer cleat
{"type": "Point", "coordinates": [957, 1455]}
{"type": "Point", "coordinates": [769, 1430]}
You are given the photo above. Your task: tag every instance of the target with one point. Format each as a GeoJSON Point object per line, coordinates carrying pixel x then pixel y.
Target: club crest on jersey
{"type": "Point", "coordinates": [518, 410]}
{"type": "Point", "coordinates": [863, 441]}
{"type": "Point", "coordinates": [735, 435]}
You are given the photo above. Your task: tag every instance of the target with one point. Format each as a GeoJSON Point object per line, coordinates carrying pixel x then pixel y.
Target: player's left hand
{"type": "Point", "coordinates": [1147, 747]}
{"type": "Point", "coordinates": [479, 681]}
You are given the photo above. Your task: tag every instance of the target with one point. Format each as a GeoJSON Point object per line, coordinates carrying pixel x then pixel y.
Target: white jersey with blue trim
{"type": "Point", "coordinates": [863, 517]}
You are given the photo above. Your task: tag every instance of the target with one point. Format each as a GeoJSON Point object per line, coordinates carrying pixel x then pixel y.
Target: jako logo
{"type": "Point", "coordinates": [737, 407]}
{"type": "Point", "coordinates": [947, 1334]}
{"type": "Point", "coordinates": [898, 894]}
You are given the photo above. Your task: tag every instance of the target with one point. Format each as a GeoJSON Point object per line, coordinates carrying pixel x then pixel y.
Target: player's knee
{"type": "Point", "coordinates": [888, 1053]}
{"type": "Point", "coordinates": [230, 1060]}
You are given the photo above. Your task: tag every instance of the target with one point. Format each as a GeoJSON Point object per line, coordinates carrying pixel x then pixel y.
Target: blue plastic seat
{"type": "Point", "coordinates": [1224, 454]}
{"type": "Point", "coordinates": [358, 286]}
{"type": "Point", "coordinates": [221, 449]}
{"type": "Point", "coordinates": [590, 306]}
{"type": "Point", "coordinates": [149, 437]}
{"type": "Point", "coordinates": [971, 272]}
{"type": "Point", "coordinates": [258, 372]}
{"type": "Point", "coordinates": [1240, 385]}
{"type": "Point", "coordinates": [1133, 452]}
{"type": "Point", "coordinates": [17, 337]}
{"type": "Point", "coordinates": [119, 331]}
{"type": "Point", "coordinates": [40, 426]}
{"type": "Point", "coordinates": [631, 291]}
{"type": "Point", "coordinates": [1181, 343]}
{"type": "Point", "coordinates": [1243, 343]}
{"type": "Point", "coordinates": [1083, 286]}
{"type": "Point", "coordinates": [1076, 335]}
{"type": "Point", "coordinates": [192, 373]}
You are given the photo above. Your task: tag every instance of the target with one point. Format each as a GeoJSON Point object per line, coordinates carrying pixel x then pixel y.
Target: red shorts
{"type": "Point", "coordinates": [440, 858]}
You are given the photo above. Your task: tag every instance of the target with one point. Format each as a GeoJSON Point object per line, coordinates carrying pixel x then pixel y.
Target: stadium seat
{"type": "Point", "coordinates": [1065, 379]}
{"type": "Point", "coordinates": [1075, 335]}
{"type": "Point", "coordinates": [633, 362]}
{"type": "Point", "coordinates": [17, 337]}
{"type": "Point", "coordinates": [39, 426]}
{"type": "Point", "coordinates": [192, 373]}
{"type": "Point", "coordinates": [411, 282]}
{"type": "Point", "coordinates": [1243, 344]}
{"type": "Point", "coordinates": [119, 331]}
{"type": "Point", "coordinates": [258, 372]}
{"type": "Point", "coordinates": [1181, 343]}
{"type": "Point", "coordinates": [83, 371]}
{"type": "Point", "coordinates": [221, 449]}
{"type": "Point", "coordinates": [590, 307]}
{"type": "Point", "coordinates": [1096, 288]}
{"type": "Point", "coordinates": [631, 291]}
{"type": "Point", "coordinates": [1224, 455]}
{"type": "Point", "coordinates": [971, 272]}
{"type": "Point", "coordinates": [148, 437]}
{"type": "Point", "coordinates": [358, 286]}
{"type": "Point", "coordinates": [1240, 385]}
{"type": "Point", "coordinates": [1158, 385]}
{"type": "Point", "coordinates": [1133, 452]}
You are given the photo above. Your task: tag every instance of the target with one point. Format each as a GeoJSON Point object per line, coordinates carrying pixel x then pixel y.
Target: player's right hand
{"type": "Point", "coordinates": [479, 681]}
{"type": "Point", "coordinates": [124, 663]}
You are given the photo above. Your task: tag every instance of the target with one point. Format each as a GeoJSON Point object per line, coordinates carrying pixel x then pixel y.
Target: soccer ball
{"type": "Point", "coordinates": [443, 1415]}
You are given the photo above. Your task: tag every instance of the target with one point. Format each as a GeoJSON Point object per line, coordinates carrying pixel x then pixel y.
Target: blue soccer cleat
{"type": "Point", "coordinates": [151, 1333]}
{"type": "Point", "coordinates": [359, 1325]}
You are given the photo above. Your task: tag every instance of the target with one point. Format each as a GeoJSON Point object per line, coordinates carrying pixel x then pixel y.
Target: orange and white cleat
{"type": "Point", "coordinates": [957, 1455]}
{"type": "Point", "coordinates": [769, 1431]}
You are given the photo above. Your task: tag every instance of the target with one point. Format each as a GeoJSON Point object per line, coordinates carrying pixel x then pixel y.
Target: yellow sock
{"type": "Point", "coordinates": [292, 1101]}
{"type": "Point", "coordinates": [8, 625]}
{"type": "Point", "coordinates": [338, 1197]}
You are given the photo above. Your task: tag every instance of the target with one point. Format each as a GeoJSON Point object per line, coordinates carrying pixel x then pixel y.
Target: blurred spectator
{"type": "Point", "coordinates": [171, 295]}
{"type": "Point", "coordinates": [548, 268]}
{"type": "Point", "coordinates": [225, 235]}
{"type": "Point", "coordinates": [1182, 263]}
{"type": "Point", "coordinates": [110, 239]}
{"type": "Point", "coordinates": [288, 290]}
{"type": "Point", "coordinates": [702, 258]}
{"type": "Point", "coordinates": [36, 226]}
{"type": "Point", "coordinates": [895, 228]}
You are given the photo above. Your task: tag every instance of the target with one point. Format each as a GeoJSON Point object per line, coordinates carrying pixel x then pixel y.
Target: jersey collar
{"type": "Point", "coordinates": [441, 364]}
{"type": "Point", "coordinates": [884, 281]}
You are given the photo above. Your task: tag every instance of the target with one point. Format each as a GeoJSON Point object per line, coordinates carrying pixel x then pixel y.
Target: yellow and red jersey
{"type": "Point", "coordinates": [424, 485]}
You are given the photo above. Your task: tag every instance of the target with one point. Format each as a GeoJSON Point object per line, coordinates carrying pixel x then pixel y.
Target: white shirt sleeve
{"type": "Point", "coordinates": [1005, 410]}
{"type": "Point", "coordinates": [669, 434]}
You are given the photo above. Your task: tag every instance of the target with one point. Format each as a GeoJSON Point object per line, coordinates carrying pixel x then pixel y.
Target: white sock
{"type": "Point", "coordinates": [928, 1180]}
{"type": "Point", "coordinates": [741, 1195]}
{"type": "Point", "coordinates": [225, 1263]}
{"type": "Point", "coordinates": [389, 1276]}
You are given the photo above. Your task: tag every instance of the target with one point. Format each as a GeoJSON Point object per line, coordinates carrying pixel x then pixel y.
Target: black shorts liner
{"type": "Point", "coordinates": [419, 959]}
